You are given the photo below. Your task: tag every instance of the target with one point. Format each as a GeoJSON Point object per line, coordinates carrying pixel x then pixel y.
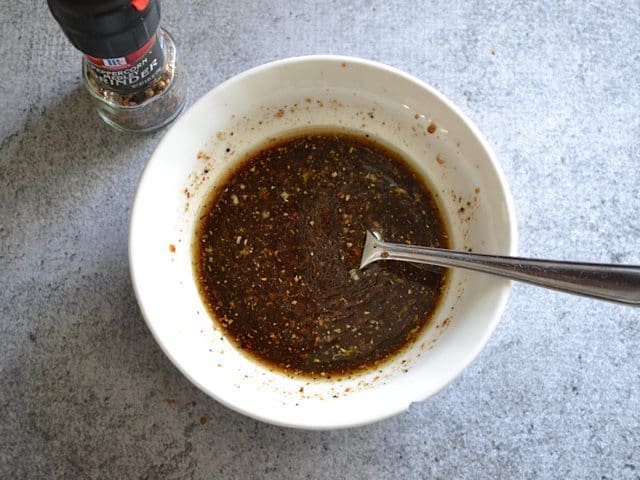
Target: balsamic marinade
{"type": "Point", "coordinates": [277, 250]}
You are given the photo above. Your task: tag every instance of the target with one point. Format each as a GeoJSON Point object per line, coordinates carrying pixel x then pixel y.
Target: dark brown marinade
{"type": "Point", "coordinates": [277, 249]}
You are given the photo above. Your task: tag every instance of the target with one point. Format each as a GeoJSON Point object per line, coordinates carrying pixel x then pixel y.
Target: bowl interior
{"type": "Point", "coordinates": [260, 105]}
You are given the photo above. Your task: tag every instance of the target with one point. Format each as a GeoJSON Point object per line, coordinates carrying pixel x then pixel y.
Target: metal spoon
{"type": "Point", "coordinates": [616, 283]}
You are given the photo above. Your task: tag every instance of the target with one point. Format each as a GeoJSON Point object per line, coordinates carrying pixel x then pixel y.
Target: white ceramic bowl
{"type": "Point", "coordinates": [260, 104]}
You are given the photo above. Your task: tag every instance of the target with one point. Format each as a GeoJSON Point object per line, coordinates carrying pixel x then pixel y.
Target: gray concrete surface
{"type": "Point", "coordinates": [86, 393]}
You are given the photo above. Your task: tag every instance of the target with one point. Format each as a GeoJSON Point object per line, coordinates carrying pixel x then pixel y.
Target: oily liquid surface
{"type": "Point", "coordinates": [277, 249]}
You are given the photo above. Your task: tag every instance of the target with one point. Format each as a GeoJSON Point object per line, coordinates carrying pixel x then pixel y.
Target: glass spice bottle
{"type": "Point", "coordinates": [130, 66]}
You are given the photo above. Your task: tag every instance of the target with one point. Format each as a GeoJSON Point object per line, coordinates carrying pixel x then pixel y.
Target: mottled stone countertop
{"type": "Point", "coordinates": [85, 392]}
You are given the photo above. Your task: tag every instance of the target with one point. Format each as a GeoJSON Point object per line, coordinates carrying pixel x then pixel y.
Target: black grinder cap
{"type": "Point", "coordinates": [107, 28]}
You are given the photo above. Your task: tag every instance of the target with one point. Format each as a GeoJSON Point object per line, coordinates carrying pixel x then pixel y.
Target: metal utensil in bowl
{"type": "Point", "coordinates": [615, 283]}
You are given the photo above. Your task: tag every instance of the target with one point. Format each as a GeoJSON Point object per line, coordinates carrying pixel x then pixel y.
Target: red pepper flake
{"type": "Point", "coordinates": [172, 248]}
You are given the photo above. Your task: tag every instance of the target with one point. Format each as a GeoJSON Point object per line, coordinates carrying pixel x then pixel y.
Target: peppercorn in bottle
{"type": "Point", "coordinates": [130, 65]}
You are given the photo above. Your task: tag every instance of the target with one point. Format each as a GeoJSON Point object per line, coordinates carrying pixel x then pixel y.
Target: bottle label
{"type": "Point", "coordinates": [132, 73]}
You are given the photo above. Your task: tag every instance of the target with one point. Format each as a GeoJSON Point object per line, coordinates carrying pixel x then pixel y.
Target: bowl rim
{"type": "Point", "coordinates": [512, 239]}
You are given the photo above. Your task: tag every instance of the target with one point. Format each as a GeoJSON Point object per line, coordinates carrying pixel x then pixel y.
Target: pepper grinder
{"type": "Point", "coordinates": [130, 64]}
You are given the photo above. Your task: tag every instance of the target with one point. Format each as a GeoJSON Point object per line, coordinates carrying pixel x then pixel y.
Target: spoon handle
{"type": "Point", "coordinates": [616, 283]}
